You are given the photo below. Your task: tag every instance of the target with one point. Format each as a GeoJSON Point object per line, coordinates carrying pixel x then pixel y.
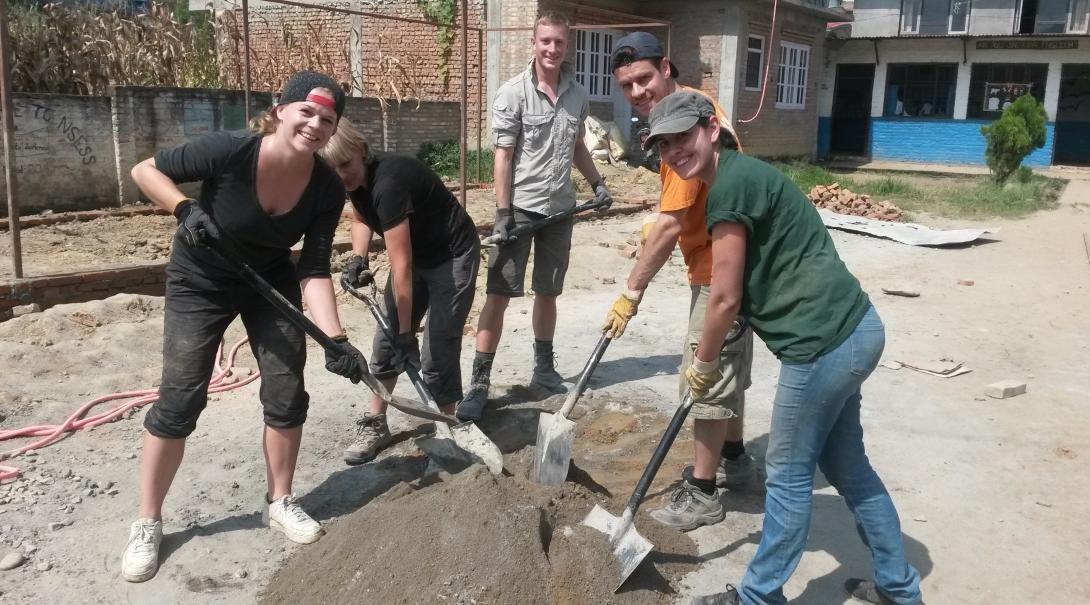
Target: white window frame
{"type": "Point", "coordinates": [791, 78]}
{"type": "Point", "coordinates": [760, 64]}
{"type": "Point", "coordinates": [914, 27]}
{"type": "Point", "coordinates": [1073, 27]}
{"type": "Point", "coordinates": [592, 50]}
{"type": "Point", "coordinates": [950, 21]}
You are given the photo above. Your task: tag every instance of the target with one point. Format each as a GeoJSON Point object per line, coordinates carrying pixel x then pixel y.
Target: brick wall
{"type": "Point", "coordinates": [80, 287]}
{"type": "Point", "coordinates": [64, 153]}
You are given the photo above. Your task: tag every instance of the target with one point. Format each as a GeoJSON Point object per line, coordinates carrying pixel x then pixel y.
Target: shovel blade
{"type": "Point", "coordinates": [418, 410]}
{"type": "Point", "coordinates": [471, 440]}
{"type": "Point", "coordinates": [629, 547]}
{"type": "Point", "coordinates": [445, 452]}
{"type": "Point", "coordinates": [555, 435]}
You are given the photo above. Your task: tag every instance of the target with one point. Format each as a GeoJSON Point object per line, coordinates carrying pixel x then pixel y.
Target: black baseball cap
{"type": "Point", "coordinates": [639, 46]}
{"type": "Point", "coordinates": [677, 112]}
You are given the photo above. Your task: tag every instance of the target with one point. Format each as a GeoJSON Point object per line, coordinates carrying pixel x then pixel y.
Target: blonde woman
{"type": "Point", "coordinates": [434, 254]}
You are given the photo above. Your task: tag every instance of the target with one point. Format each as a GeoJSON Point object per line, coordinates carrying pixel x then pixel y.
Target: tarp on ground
{"type": "Point", "coordinates": [906, 233]}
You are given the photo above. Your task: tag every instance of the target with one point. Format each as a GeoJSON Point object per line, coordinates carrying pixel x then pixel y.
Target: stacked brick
{"type": "Point", "coordinates": [842, 201]}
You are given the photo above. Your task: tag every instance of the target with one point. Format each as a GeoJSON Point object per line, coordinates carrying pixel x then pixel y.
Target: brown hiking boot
{"type": "Point", "coordinates": [867, 592]}
{"type": "Point", "coordinates": [372, 434]}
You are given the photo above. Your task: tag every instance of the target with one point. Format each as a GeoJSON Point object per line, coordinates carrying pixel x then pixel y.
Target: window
{"type": "Point", "coordinates": [592, 50]}
{"type": "Point", "coordinates": [992, 86]}
{"type": "Point", "coordinates": [910, 16]}
{"type": "Point", "coordinates": [935, 17]}
{"type": "Point", "coordinates": [1078, 21]}
{"type": "Point", "coordinates": [755, 59]}
{"type": "Point", "coordinates": [791, 78]}
{"type": "Point", "coordinates": [1053, 17]}
{"type": "Point", "coordinates": [924, 90]}
{"type": "Point", "coordinates": [959, 16]}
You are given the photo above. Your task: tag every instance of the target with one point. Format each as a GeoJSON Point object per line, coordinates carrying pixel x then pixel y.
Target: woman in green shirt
{"type": "Point", "coordinates": [774, 262]}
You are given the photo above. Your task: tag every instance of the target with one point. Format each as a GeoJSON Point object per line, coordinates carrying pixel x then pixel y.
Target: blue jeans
{"type": "Point", "coordinates": [815, 423]}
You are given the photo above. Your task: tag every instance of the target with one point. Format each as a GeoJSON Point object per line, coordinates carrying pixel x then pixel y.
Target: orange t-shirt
{"type": "Point", "coordinates": [691, 195]}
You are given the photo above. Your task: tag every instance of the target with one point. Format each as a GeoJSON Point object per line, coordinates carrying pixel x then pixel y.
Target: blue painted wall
{"type": "Point", "coordinates": [937, 141]}
{"type": "Point", "coordinates": [825, 130]}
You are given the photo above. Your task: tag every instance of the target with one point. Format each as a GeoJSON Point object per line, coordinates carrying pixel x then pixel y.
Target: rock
{"type": "Point", "coordinates": [75, 500]}
{"type": "Point", "coordinates": [29, 549]}
{"type": "Point", "coordinates": [901, 291]}
{"type": "Point", "coordinates": [242, 573]}
{"type": "Point", "coordinates": [44, 566]}
{"type": "Point", "coordinates": [20, 310]}
{"type": "Point", "coordinates": [11, 561]}
{"type": "Point", "coordinates": [88, 492]}
{"type": "Point", "coordinates": [56, 526]}
{"type": "Point", "coordinates": [966, 282]}
{"type": "Point", "coordinates": [609, 280]}
{"type": "Point", "coordinates": [1004, 389]}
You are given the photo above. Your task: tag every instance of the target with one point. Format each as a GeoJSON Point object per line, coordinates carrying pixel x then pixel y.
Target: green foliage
{"type": "Point", "coordinates": [442, 11]}
{"type": "Point", "coordinates": [443, 157]}
{"type": "Point", "coordinates": [889, 186]}
{"type": "Point", "coordinates": [1016, 133]}
{"type": "Point", "coordinates": [806, 175]}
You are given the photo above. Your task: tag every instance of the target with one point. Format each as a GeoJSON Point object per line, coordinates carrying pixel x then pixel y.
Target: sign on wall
{"type": "Point", "coordinates": [999, 95]}
{"type": "Point", "coordinates": [1027, 44]}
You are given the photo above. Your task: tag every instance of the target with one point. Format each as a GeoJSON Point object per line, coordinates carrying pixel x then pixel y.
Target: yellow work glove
{"type": "Point", "coordinates": [702, 376]}
{"type": "Point", "coordinates": [624, 309]}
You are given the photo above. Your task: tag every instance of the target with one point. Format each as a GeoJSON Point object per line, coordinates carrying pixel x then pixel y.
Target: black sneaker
{"type": "Point", "coordinates": [728, 597]}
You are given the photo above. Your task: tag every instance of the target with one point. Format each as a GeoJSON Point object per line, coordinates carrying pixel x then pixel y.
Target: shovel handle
{"type": "Point", "coordinates": [495, 240]}
{"type": "Point", "coordinates": [584, 376]}
{"type": "Point", "coordinates": [660, 452]}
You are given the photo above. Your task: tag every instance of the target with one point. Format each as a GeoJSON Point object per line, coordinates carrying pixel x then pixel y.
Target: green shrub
{"type": "Point", "coordinates": [1016, 133]}
{"type": "Point", "coordinates": [443, 159]}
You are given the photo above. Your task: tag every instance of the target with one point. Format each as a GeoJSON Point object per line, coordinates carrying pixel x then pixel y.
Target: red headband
{"type": "Point", "coordinates": [322, 100]}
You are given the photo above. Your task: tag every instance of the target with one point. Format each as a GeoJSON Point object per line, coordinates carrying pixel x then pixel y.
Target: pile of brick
{"type": "Point", "coordinates": [842, 201]}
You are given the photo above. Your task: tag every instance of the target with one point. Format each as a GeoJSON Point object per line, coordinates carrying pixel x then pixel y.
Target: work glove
{"type": "Point", "coordinates": [344, 359]}
{"type": "Point", "coordinates": [623, 309]}
{"type": "Point", "coordinates": [358, 272]}
{"type": "Point", "coordinates": [195, 226]}
{"type": "Point", "coordinates": [407, 351]}
{"type": "Point", "coordinates": [602, 195]}
{"type": "Point", "coordinates": [505, 224]}
{"type": "Point", "coordinates": [702, 376]}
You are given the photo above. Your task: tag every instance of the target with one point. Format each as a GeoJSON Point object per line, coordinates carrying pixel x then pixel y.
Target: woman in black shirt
{"type": "Point", "coordinates": [260, 193]}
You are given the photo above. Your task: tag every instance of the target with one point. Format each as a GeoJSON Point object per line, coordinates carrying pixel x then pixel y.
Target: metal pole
{"type": "Point", "coordinates": [465, 97]}
{"type": "Point", "coordinates": [9, 143]}
{"type": "Point", "coordinates": [480, 99]}
{"type": "Point", "coordinates": [246, 61]}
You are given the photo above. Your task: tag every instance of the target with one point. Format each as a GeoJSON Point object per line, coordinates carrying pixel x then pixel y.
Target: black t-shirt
{"type": "Point", "coordinates": [399, 186]}
{"type": "Point", "coordinates": [226, 165]}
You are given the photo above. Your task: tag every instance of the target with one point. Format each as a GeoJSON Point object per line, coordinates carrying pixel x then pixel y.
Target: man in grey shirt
{"type": "Point", "coordinates": [537, 121]}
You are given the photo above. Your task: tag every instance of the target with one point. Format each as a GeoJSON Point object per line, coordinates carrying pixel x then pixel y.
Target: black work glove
{"type": "Point", "coordinates": [407, 351]}
{"type": "Point", "coordinates": [602, 195]}
{"type": "Point", "coordinates": [344, 359]}
{"type": "Point", "coordinates": [195, 226]}
{"type": "Point", "coordinates": [505, 223]}
{"type": "Point", "coordinates": [358, 272]}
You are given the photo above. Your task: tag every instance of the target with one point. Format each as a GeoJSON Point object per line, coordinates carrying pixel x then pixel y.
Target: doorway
{"type": "Point", "coordinates": [850, 131]}
{"type": "Point", "coordinates": [1072, 138]}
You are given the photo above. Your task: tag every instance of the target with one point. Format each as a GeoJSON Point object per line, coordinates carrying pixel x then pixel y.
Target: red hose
{"type": "Point", "coordinates": [768, 63]}
{"type": "Point", "coordinates": [51, 433]}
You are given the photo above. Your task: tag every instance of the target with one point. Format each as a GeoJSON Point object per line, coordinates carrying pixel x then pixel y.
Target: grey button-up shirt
{"type": "Point", "coordinates": [544, 137]}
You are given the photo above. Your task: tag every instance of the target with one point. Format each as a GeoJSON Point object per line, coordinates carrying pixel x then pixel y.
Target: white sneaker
{"type": "Point", "coordinates": [286, 515]}
{"type": "Point", "coordinates": [140, 560]}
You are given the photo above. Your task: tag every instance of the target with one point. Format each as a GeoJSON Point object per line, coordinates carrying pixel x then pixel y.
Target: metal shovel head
{"type": "Point", "coordinates": [483, 450]}
{"type": "Point", "coordinates": [445, 452]}
{"type": "Point", "coordinates": [629, 548]}
{"type": "Point", "coordinates": [418, 410]}
{"type": "Point", "coordinates": [555, 435]}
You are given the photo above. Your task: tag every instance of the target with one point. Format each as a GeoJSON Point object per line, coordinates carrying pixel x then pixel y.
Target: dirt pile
{"type": "Point", "coordinates": [843, 201]}
{"type": "Point", "coordinates": [476, 538]}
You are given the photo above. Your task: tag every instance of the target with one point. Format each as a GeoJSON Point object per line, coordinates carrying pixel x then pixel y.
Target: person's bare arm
{"type": "Point", "coordinates": [361, 235]}
{"type": "Point", "coordinates": [157, 186]}
{"type": "Point", "coordinates": [584, 163]}
{"type": "Point", "coordinates": [399, 248]}
{"type": "Point", "coordinates": [725, 298]}
{"type": "Point", "coordinates": [502, 175]}
{"type": "Point", "coordinates": [657, 249]}
{"type": "Point", "coordinates": [319, 298]}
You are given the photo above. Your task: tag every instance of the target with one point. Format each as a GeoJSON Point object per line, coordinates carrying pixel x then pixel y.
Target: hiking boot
{"type": "Point", "coordinates": [867, 592]}
{"type": "Point", "coordinates": [140, 560]}
{"type": "Point", "coordinates": [729, 596]}
{"type": "Point", "coordinates": [286, 515]}
{"type": "Point", "coordinates": [690, 508]}
{"type": "Point", "coordinates": [545, 374]}
{"type": "Point", "coordinates": [471, 409]}
{"type": "Point", "coordinates": [730, 473]}
{"type": "Point", "coordinates": [372, 434]}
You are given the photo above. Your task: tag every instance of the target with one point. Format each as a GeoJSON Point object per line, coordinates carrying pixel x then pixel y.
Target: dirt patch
{"type": "Point", "coordinates": [476, 538]}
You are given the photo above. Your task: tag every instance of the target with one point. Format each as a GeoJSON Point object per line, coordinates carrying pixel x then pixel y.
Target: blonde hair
{"type": "Point", "coordinates": [552, 18]}
{"type": "Point", "coordinates": [345, 144]}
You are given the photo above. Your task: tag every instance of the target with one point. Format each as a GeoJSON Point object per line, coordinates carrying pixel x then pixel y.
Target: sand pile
{"type": "Point", "coordinates": [476, 538]}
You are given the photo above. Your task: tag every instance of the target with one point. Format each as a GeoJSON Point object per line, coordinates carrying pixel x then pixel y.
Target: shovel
{"type": "Point", "coordinates": [453, 448]}
{"type": "Point", "coordinates": [555, 433]}
{"type": "Point", "coordinates": [496, 240]}
{"type": "Point", "coordinates": [626, 543]}
{"type": "Point", "coordinates": [295, 316]}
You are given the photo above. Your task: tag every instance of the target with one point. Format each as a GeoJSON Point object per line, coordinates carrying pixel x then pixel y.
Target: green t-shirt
{"type": "Point", "coordinates": [798, 295]}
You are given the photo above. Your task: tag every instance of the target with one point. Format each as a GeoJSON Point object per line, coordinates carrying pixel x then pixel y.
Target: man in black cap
{"type": "Point", "coordinates": [646, 75]}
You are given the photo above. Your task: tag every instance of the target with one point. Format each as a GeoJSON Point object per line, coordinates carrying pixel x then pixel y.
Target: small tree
{"type": "Point", "coordinates": [1016, 133]}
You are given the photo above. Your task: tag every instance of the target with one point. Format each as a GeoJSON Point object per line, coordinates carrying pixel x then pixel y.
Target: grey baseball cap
{"type": "Point", "coordinates": [677, 112]}
{"type": "Point", "coordinates": [640, 46]}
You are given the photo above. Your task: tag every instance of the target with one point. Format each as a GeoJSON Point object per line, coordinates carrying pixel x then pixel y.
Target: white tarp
{"type": "Point", "coordinates": [906, 233]}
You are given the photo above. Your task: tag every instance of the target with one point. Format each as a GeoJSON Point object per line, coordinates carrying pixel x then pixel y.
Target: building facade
{"type": "Point", "coordinates": [917, 79]}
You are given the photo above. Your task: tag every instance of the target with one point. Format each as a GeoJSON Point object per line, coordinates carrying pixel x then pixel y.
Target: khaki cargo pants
{"type": "Point", "coordinates": [726, 399]}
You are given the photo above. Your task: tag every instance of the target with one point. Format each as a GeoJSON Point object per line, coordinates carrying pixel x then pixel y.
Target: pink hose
{"type": "Point", "coordinates": [75, 422]}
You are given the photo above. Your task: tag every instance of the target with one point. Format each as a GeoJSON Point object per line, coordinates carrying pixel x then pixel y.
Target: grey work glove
{"type": "Point", "coordinates": [602, 195]}
{"type": "Point", "coordinates": [194, 224]}
{"type": "Point", "coordinates": [344, 359]}
{"type": "Point", "coordinates": [358, 272]}
{"type": "Point", "coordinates": [505, 223]}
{"type": "Point", "coordinates": [407, 351]}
